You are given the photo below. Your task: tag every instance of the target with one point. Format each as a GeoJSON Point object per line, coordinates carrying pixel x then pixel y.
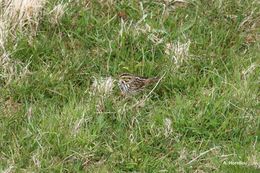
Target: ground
{"type": "Point", "coordinates": [61, 109]}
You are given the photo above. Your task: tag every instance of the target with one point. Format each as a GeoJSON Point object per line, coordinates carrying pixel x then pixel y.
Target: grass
{"type": "Point", "coordinates": [203, 116]}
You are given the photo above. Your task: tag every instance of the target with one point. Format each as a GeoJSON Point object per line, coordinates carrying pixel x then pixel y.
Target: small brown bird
{"type": "Point", "coordinates": [130, 84]}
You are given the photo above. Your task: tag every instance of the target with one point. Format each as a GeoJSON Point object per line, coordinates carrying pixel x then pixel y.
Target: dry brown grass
{"type": "Point", "coordinates": [57, 12]}
{"type": "Point", "coordinates": [20, 15]}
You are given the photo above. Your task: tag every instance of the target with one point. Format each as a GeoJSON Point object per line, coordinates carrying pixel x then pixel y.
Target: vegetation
{"type": "Point", "coordinates": [61, 109]}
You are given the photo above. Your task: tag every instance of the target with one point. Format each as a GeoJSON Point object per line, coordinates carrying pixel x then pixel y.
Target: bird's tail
{"type": "Point", "coordinates": [153, 80]}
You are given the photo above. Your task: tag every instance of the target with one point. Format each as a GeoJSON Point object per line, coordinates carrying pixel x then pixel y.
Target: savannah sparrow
{"type": "Point", "coordinates": [130, 84]}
